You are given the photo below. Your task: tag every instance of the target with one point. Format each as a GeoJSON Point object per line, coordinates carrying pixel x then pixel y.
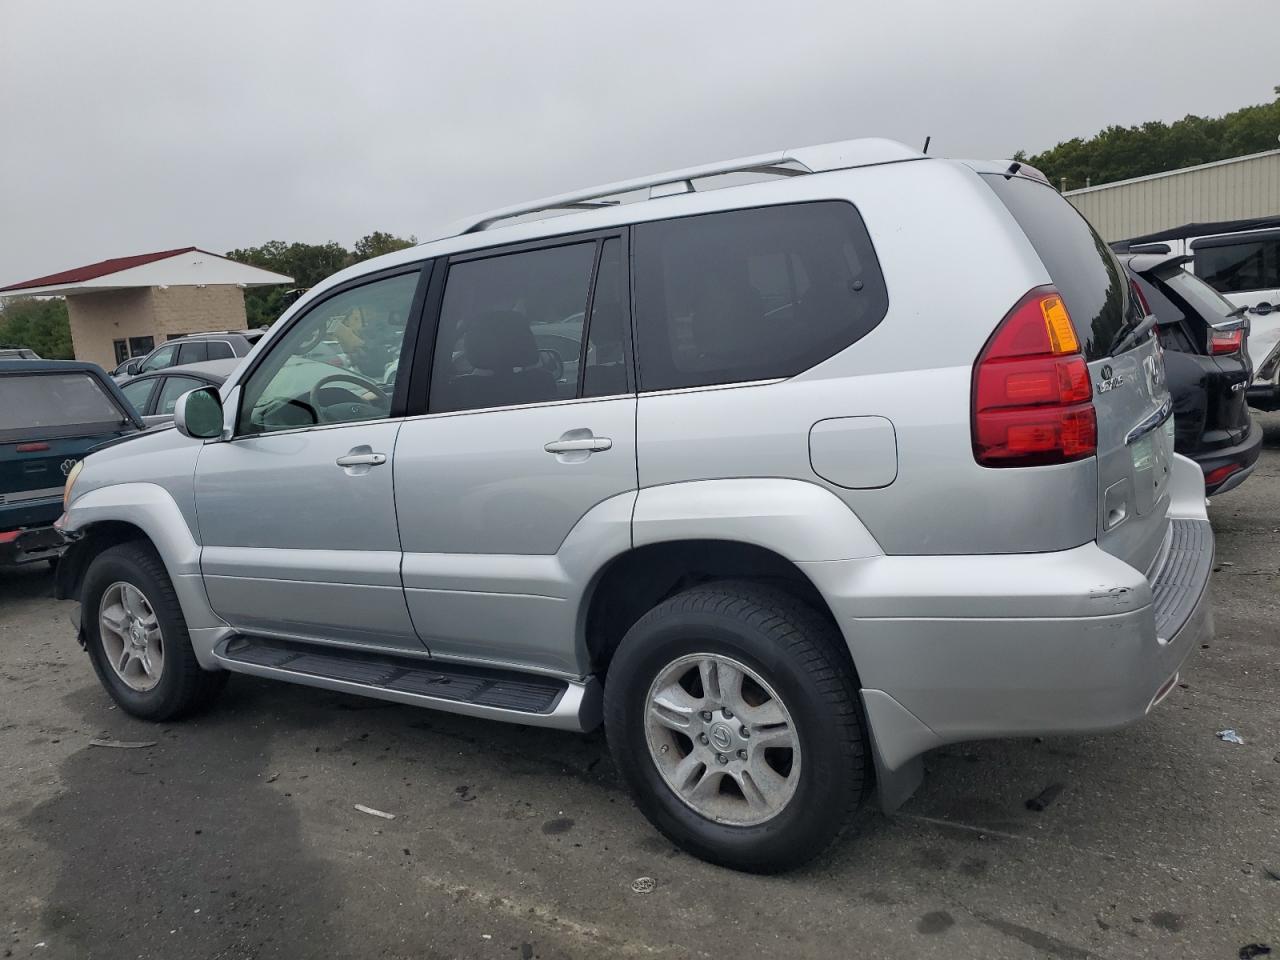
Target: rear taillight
{"type": "Point", "coordinates": [1032, 397]}
{"type": "Point", "coordinates": [1216, 476]}
{"type": "Point", "coordinates": [1142, 300]}
{"type": "Point", "coordinates": [36, 447]}
{"type": "Point", "coordinates": [1225, 341]}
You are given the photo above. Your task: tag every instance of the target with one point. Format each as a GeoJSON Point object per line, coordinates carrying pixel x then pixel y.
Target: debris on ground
{"type": "Point", "coordinates": [1040, 801]}
{"type": "Point", "coordinates": [1229, 736]}
{"type": "Point", "coordinates": [273, 778]}
{"type": "Point", "coordinates": [1251, 950]}
{"type": "Point", "coordinates": [1272, 872]}
{"type": "Point", "coordinates": [375, 813]}
{"type": "Point", "coordinates": [643, 885]}
{"type": "Point", "coordinates": [122, 744]}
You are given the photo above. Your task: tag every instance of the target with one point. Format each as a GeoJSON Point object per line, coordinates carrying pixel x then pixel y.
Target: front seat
{"type": "Point", "coordinates": [500, 348]}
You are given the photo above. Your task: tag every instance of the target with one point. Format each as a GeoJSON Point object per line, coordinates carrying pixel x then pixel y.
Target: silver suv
{"type": "Point", "coordinates": [787, 482]}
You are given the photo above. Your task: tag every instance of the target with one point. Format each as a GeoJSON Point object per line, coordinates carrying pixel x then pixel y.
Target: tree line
{"type": "Point", "coordinates": [1119, 153]}
{"type": "Point", "coordinates": [41, 323]}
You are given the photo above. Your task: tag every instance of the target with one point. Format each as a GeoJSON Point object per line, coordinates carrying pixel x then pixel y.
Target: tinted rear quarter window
{"type": "Point", "coordinates": [220, 350]}
{"type": "Point", "coordinates": [193, 351]}
{"type": "Point", "coordinates": [1079, 263]}
{"type": "Point", "coordinates": [752, 294]}
{"type": "Point", "coordinates": [1236, 265]}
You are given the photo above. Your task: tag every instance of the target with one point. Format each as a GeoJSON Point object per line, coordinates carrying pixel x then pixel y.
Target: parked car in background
{"type": "Point", "coordinates": [8, 352]}
{"type": "Point", "coordinates": [154, 395]}
{"type": "Point", "coordinates": [1241, 260]}
{"type": "Point", "coordinates": [819, 472]}
{"type": "Point", "coordinates": [195, 348]}
{"type": "Point", "coordinates": [1206, 359]}
{"type": "Point", "coordinates": [52, 413]}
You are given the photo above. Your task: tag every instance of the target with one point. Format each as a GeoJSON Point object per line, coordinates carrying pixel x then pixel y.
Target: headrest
{"type": "Point", "coordinates": [500, 340]}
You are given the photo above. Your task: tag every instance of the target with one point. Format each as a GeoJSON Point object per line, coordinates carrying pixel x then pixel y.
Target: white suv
{"type": "Point", "coordinates": [788, 482]}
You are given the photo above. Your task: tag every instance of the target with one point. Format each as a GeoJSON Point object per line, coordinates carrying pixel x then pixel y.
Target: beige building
{"type": "Point", "coordinates": [1241, 188]}
{"type": "Point", "coordinates": [125, 307]}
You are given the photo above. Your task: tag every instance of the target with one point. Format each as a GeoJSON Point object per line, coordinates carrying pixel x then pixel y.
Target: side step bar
{"type": "Point", "coordinates": [530, 699]}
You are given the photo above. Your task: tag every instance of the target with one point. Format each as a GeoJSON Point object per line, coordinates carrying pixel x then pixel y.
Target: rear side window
{"type": "Point", "coordinates": [1079, 263]}
{"type": "Point", "coordinates": [511, 328]}
{"type": "Point", "coordinates": [54, 404]}
{"type": "Point", "coordinates": [752, 294]}
{"type": "Point", "coordinates": [193, 351]}
{"type": "Point", "coordinates": [220, 350]}
{"type": "Point", "coordinates": [1236, 265]}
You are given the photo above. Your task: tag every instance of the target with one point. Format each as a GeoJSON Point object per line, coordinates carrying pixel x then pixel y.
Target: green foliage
{"type": "Point", "coordinates": [38, 324]}
{"type": "Point", "coordinates": [308, 264]}
{"type": "Point", "coordinates": [1118, 153]}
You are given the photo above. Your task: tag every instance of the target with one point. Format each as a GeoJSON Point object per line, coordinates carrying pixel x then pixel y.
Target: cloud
{"type": "Point", "coordinates": [141, 124]}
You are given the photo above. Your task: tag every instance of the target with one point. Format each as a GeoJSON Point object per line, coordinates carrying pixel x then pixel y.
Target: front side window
{"type": "Point", "coordinates": [752, 294]}
{"type": "Point", "coordinates": [173, 388]}
{"type": "Point", "coordinates": [339, 363]}
{"type": "Point", "coordinates": [138, 392]}
{"type": "Point", "coordinates": [511, 328]}
{"type": "Point", "coordinates": [1239, 266]}
{"type": "Point", "coordinates": [164, 357]}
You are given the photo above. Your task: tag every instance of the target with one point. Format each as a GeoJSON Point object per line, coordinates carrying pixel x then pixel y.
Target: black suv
{"type": "Point", "coordinates": [193, 348]}
{"type": "Point", "coordinates": [1207, 365]}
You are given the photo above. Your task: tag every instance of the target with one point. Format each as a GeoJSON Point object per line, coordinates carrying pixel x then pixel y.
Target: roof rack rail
{"type": "Point", "coordinates": [784, 163]}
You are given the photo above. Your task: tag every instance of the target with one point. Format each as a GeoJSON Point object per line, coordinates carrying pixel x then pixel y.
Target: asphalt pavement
{"type": "Point", "coordinates": [235, 835]}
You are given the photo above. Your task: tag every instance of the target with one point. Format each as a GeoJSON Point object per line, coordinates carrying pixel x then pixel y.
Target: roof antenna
{"type": "Point", "coordinates": [925, 148]}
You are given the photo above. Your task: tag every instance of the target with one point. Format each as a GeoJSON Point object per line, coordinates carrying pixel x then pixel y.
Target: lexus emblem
{"type": "Point", "coordinates": [66, 465]}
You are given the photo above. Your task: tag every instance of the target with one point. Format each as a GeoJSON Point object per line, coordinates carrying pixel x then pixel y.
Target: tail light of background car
{"type": "Point", "coordinates": [1032, 396]}
{"type": "Point", "coordinates": [1225, 341]}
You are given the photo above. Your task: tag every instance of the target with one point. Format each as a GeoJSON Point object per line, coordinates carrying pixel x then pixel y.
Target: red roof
{"type": "Point", "coordinates": [94, 270]}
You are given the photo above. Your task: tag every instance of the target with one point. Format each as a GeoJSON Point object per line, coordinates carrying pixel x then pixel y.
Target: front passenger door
{"type": "Point", "coordinates": [296, 511]}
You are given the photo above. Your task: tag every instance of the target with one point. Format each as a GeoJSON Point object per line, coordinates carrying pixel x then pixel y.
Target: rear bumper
{"type": "Point", "coordinates": [32, 544]}
{"type": "Point", "coordinates": [1243, 455]}
{"type": "Point", "coordinates": [962, 648]}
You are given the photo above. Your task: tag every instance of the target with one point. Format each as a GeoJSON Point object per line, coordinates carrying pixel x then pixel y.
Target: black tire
{"type": "Point", "coordinates": [184, 686]}
{"type": "Point", "coordinates": [802, 656]}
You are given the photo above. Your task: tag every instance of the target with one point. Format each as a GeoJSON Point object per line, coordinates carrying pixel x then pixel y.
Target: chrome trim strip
{"type": "Point", "coordinates": [1151, 422]}
{"type": "Point", "coordinates": [24, 496]}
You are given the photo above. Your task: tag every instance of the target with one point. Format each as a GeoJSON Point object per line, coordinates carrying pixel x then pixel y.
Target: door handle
{"type": "Point", "coordinates": [362, 460]}
{"type": "Point", "coordinates": [579, 445]}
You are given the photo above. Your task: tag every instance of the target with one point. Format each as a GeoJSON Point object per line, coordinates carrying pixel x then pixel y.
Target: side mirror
{"type": "Point", "coordinates": [198, 414]}
{"type": "Point", "coordinates": [131, 368]}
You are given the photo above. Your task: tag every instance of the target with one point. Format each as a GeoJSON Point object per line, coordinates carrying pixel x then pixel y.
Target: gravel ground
{"type": "Point", "coordinates": [235, 834]}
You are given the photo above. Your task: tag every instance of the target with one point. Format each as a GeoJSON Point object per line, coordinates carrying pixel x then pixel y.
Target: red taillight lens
{"type": "Point", "coordinates": [8, 536]}
{"type": "Point", "coordinates": [1142, 300]}
{"type": "Point", "coordinates": [1032, 398]}
{"type": "Point", "coordinates": [1214, 477]}
{"type": "Point", "coordinates": [36, 447]}
{"type": "Point", "coordinates": [1225, 341]}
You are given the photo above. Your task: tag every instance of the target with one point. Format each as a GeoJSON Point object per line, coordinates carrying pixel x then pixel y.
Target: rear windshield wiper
{"type": "Point", "coordinates": [1134, 335]}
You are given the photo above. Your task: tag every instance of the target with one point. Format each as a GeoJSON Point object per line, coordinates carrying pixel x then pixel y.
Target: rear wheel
{"type": "Point", "coordinates": [137, 637]}
{"type": "Point", "coordinates": [732, 712]}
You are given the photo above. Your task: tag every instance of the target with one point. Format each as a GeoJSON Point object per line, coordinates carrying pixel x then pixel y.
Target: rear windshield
{"type": "Point", "coordinates": [1079, 263]}
{"type": "Point", "coordinates": [1206, 301]}
{"type": "Point", "coordinates": [55, 404]}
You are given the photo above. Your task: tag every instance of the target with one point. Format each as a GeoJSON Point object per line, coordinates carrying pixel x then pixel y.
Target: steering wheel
{"type": "Point", "coordinates": [357, 409]}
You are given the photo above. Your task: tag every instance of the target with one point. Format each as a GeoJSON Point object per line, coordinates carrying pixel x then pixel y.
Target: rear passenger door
{"type": "Point", "coordinates": [526, 426]}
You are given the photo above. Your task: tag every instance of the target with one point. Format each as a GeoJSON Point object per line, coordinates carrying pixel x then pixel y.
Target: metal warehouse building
{"type": "Point", "coordinates": [1241, 188]}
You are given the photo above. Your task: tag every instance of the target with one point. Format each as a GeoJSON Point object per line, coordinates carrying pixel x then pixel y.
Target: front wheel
{"type": "Point", "coordinates": [137, 637]}
{"type": "Point", "coordinates": [732, 713]}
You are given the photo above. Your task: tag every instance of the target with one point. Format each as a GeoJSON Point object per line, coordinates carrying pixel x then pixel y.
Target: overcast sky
{"type": "Point", "coordinates": [137, 125]}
